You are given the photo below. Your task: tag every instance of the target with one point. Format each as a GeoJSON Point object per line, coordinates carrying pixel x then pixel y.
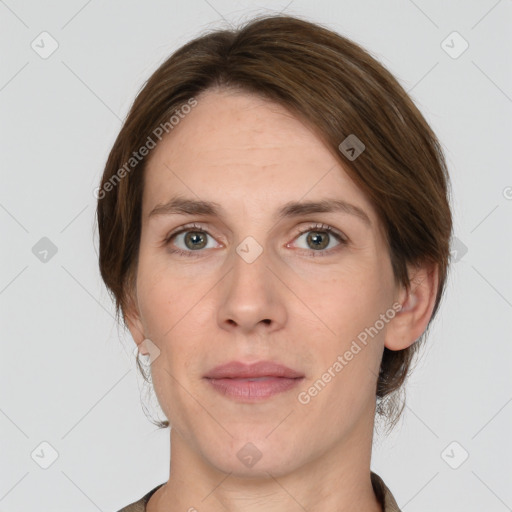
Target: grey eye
{"type": "Point", "coordinates": [318, 239]}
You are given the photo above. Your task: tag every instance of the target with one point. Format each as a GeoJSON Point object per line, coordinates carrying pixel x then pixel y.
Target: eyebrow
{"type": "Point", "coordinates": [183, 206]}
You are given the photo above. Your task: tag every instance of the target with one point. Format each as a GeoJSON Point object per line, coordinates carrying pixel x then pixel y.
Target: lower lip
{"type": "Point", "coordinates": [245, 390]}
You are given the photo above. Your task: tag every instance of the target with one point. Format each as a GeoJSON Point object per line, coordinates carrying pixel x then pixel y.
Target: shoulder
{"type": "Point", "coordinates": [140, 505]}
{"type": "Point", "coordinates": [383, 494]}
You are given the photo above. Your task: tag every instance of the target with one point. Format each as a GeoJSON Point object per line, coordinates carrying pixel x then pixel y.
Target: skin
{"type": "Point", "coordinates": [291, 305]}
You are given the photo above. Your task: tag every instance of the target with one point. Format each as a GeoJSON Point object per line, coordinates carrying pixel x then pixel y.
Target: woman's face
{"type": "Point", "coordinates": [242, 284]}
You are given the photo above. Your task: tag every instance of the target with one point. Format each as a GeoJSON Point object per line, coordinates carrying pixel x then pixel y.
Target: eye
{"type": "Point", "coordinates": [189, 239]}
{"type": "Point", "coordinates": [319, 239]}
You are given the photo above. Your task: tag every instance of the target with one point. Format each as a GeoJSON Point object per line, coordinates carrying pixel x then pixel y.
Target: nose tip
{"type": "Point", "coordinates": [250, 296]}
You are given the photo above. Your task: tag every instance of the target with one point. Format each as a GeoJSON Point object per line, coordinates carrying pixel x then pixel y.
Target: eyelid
{"type": "Point", "coordinates": [187, 227]}
{"type": "Point", "coordinates": [321, 227]}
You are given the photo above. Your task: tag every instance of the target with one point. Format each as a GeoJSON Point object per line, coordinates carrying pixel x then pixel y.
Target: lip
{"type": "Point", "coordinates": [240, 370]}
{"type": "Point", "coordinates": [235, 380]}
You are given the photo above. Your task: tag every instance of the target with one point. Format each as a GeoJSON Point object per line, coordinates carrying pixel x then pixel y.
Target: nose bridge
{"type": "Point", "coordinates": [249, 295]}
{"type": "Point", "coordinates": [249, 276]}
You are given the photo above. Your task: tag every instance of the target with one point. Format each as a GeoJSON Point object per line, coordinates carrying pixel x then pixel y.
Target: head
{"type": "Point", "coordinates": [243, 131]}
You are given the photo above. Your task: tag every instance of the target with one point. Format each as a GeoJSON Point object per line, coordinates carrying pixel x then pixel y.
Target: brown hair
{"type": "Point", "coordinates": [338, 89]}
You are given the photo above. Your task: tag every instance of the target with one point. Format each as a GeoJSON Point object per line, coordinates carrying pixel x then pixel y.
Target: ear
{"type": "Point", "coordinates": [134, 323]}
{"type": "Point", "coordinates": [417, 305]}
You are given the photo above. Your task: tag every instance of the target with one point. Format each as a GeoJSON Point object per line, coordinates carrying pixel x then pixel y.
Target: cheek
{"type": "Point", "coordinates": [347, 355]}
{"type": "Point", "coordinates": [175, 321]}
{"type": "Point", "coordinates": [350, 306]}
{"type": "Point", "coordinates": [176, 315]}
{"type": "Point", "coordinates": [165, 296]}
{"type": "Point", "coordinates": [354, 297]}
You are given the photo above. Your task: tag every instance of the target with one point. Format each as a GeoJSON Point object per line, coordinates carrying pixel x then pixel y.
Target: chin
{"type": "Point", "coordinates": [258, 458]}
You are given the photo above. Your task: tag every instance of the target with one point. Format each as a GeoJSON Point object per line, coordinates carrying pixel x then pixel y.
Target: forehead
{"type": "Point", "coordinates": [241, 149]}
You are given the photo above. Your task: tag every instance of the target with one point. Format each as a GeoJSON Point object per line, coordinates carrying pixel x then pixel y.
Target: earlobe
{"type": "Point", "coordinates": [417, 302]}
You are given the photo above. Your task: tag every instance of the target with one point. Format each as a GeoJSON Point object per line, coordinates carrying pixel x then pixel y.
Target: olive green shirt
{"type": "Point", "coordinates": [383, 494]}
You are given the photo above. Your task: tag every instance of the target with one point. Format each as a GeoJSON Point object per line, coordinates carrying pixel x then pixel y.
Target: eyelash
{"type": "Point", "coordinates": [315, 227]}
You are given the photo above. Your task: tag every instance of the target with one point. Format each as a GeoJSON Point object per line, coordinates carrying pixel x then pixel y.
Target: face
{"type": "Point", "coordinates": [251, 281]}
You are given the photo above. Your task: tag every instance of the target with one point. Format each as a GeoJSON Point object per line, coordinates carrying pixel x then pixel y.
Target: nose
{"type": "Point", "coordinates": [251, 296]}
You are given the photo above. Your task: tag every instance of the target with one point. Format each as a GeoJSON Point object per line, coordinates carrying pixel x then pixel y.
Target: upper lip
{"type": "Point", "coordinates": [238, 369]}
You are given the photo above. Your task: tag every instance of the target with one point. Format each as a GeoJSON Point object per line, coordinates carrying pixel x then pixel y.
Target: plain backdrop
{"type": "Point", "coordinates": [70, 396]}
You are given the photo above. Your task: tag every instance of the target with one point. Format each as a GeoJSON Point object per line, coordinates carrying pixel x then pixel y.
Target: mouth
{"type": "Point", "coordinates": [252, 382]}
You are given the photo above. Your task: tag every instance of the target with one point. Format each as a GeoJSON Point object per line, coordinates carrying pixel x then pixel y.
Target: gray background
{"type": "Point", "coordinates": [67, 372]}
